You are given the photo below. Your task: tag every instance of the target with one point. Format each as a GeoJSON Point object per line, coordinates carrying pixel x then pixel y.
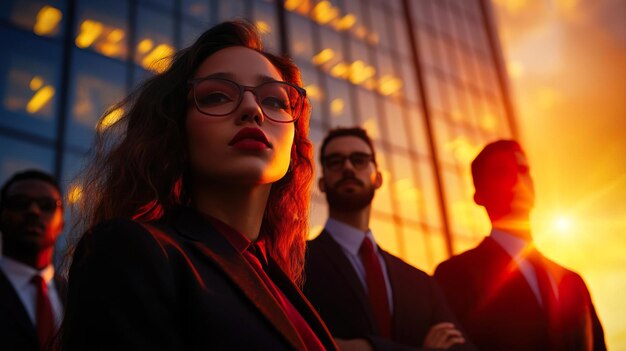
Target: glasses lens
{"type": "Point", "coordinates": [280, 101]}
{"type": "Point", "coordinates": [334, 163]}
{"type": "Point", "coordinates": [216, 96]}
{"type": "Point", "coordinates": [22, 203]}
{"type": "Point", "coordinates": [360, 161]}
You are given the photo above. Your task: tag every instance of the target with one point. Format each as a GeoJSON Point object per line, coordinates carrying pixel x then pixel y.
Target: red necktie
{"type": "Point", "coordinates": [376, 287]}
{"type": "Point", "coordinates": [45, 318]}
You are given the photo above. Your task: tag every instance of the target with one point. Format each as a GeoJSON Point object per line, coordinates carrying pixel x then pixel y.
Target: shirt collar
{"type": "Point", "coordinates": [239, 241]}
{"type": "Point", "coordinates": [513, 245]}
{"type": "Point", "coordinates": [22, 274]}
{"type": "Point", "coordinates": [349, 237]}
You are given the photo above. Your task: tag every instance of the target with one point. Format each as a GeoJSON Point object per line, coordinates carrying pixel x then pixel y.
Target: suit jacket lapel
{"type": "Point", "coordinates": [12, 304]}
{"type": "Point", "coordinates": [206, 239]}
{"type": "Point", "coordinates": [335, 254]}
{"type": "Point", "coordinates": [504, 273]}
{"type": "Point", "coordinates": [301, 303]}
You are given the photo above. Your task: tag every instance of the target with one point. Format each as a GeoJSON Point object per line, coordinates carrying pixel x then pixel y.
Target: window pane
{"type": "Point", "coordinates": [233, 8]}
{"type": "Point", "coordinates": [155, 39]}
{"type": "Point", "coordinates": [44, 18]}
{"type": "Point", "coordinates": [102, 27]}
{"type": "Point", "coordinates": [394, 116]}
{"type": "Point", "coordinates": [382, 200]}
{"type": "Point", "coordinates": [408, 196]}
{"type": "Point", "coordinates": [28, 156]}
{"type": "Point", "coordinates": [198, 9]}
{"type": "Point", "coordinates": [29, 70]}
{"type": "Point", "coordinates": [385, 232]}
{"type": "Point", "coordinates": [300, 44]}
{"type": "Point", "coordinates": [339, 103]}
{"type": "Point", "coordinates": [91, 93]}
{"type": "Point", "coordinates": [267, 23]}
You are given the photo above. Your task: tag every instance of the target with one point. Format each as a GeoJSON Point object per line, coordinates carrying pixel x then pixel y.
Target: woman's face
{"type": "Point", "coordinates": [242, 147]}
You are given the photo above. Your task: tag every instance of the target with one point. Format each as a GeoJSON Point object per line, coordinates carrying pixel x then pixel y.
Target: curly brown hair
{"type": "Point", "coordinates": [139, 166]}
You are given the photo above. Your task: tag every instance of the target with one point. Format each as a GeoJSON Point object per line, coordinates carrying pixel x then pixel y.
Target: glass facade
{"type": "Point", "coordinates": [423, 77]}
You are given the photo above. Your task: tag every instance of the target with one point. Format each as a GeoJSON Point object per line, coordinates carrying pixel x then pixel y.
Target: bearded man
{"type": "Point", "coordinates": [368, 298]}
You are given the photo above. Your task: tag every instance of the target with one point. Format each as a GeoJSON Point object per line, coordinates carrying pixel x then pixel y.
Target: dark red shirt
{"type": "Point", "coordinates": [255, 253]}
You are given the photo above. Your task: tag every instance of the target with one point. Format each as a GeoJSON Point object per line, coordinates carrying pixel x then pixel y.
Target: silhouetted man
{"type": "Point", "coordinates": [31, 219]}
{"type": "Point", "coordinates": [505, 293]}
{"type": "Point", "coordinates": [368, 298]}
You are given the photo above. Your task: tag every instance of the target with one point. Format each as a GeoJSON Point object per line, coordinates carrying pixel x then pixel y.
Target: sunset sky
{"type": "Point", "coordinates": [567, 68]}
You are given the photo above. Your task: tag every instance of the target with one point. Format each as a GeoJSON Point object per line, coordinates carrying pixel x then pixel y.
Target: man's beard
{"type": "Point", "coordinates": [348, 202]}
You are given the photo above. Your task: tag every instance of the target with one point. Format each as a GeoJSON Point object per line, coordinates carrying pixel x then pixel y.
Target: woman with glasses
{"type": "Point", "coordinates": [197, 201]}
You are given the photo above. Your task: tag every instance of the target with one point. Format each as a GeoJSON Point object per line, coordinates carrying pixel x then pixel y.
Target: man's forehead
{"type": "Point", "coordinates": [346, 145]}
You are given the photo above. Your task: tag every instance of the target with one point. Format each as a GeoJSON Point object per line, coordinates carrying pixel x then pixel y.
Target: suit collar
{"type": "Point", "coordinates": [191, 225]}
{"type": "Point", "coordinates": [13, 305]}
{"type": "Point", "coordinates": [339, 260]}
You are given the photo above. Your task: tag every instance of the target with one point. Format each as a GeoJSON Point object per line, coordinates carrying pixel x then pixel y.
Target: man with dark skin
{"type": "Point", "coordinates": [409, 311]}
{"type": "Point", "coordinates": [506, 294]}
{"type": "Point", "coordinates": [31, 220]}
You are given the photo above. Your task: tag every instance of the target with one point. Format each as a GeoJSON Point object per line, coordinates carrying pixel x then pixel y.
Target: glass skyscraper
{"type": "Point", "coordinates": [424, 77]}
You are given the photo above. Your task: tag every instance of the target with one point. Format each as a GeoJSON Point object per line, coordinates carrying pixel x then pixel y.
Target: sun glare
{"type": "Point", "coordinates": [562, 224]}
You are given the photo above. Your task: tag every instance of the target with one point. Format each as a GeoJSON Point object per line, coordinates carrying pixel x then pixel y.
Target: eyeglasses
{"type": "Point", "coordinates": [358, 160]}
{"type": "Point", "coordinates": [22, 203]}
{"type": "Point", "coordinates": [280, 101]}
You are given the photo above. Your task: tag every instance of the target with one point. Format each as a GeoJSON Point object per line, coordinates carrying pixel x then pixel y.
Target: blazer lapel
{"type": "Point", "coordinates": [335, 254]}
{"type": "Point", "coordinates": [300, 302]}
{"type": "Point", "coordinates": [206, 239]}
{"type": "Point", "coordinates": [12, 304]}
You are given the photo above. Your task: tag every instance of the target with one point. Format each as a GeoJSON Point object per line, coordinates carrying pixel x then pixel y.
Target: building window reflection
{"type": "Point", "coordinates": [154, 44]}
{"type": "Point", "coordinates": [44, 18]}
{"type": "Point", "coordinates": [102, 26]}
{"type": "Point", "coordinates": [29, 89]}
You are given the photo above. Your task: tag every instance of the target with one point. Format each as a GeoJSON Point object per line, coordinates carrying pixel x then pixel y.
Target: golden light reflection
{"type": "Point", "coordinates": [323, 56]}
{"type": "Point", "coordinates": [360, 72]}
{"type": "Point", "coordinates": [407, 192]}
{"type": "Point", "coordinates": [324, 12]}
{"type": "Point", "coordinates": [89, 31]}
{"type": "Point", "coordinates": [48, 19]}
{"type": "Point", "coordinates": [313, 92]}
{"type": "Point", "coordinates": [40, 99]}
{"type": "Point", "coordinates": [36, 83]}
{"type": "Point", "coordinates": [337, 106]}
{"type": "Point", "coordinates": [263, 27]}
{"type": "Point", "coordinates": [144, 46]}
{"type": "Point", "coordinates": [110, 119]}
{"type": "Point", "coordinates": [159, 59]}
{"type": "Point", "coordinates": [345, 23]}
{"type": "Point", "coordinates": [300, 6]}
{"type": "Point", "coordinates": [371, 126]}
{"type": "Point", "coordinates": [562, 224]}
{"type": "Point", "coordinates": [74, 194]}
{"type": "Point", "coordinates": [488, 122]}
{"type": "Point", "coordinates": [340, 70]}
{"type": "Point", "coordinates": [389, 85]}
{"type": "Point", "coordinates": [462, 150]}
{"type": "Point", "coordinates": [515, 69]}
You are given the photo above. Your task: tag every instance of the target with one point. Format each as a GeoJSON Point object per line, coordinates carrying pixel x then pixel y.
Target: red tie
{"type": "Point", "coordinates": [45, 319]}
{"type": "Point", "coordinates": [376, 287]}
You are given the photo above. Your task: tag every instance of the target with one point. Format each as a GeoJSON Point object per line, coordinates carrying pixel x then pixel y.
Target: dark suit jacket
{"type": "Point", "coordinates": [17, 332]}
{"type": "Point", "coordinates": [334, 288]}
{"type": "Point", "coordinates": [181, 287]}
{"type": "Point", "coordinates": [499, 311]}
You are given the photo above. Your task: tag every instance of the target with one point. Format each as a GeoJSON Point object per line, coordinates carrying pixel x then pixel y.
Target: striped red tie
{"type": "Point", "coordinates": [376, 287]}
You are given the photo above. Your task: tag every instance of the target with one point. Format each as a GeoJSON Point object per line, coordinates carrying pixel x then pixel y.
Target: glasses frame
{"type": "Point", "coordinates": [348, 158]}
{"type": "Point", "coordinates": [9, 203]}
{"type": "Point", "coordinates": [242, 89]}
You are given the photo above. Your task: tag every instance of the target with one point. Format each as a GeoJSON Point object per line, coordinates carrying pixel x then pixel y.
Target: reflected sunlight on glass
{"type": "Point", "coordinates": [48, 19]}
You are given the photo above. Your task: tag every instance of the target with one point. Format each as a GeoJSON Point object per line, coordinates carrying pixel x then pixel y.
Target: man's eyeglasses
{"type": "Point", "coordinates": [359, 160]}
{"type": "Point", "coordinates": [280, 101]}
{"type": "Point", "coordinates": [22, 203]}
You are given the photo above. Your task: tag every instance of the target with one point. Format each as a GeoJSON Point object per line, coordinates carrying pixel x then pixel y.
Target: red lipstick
{"type": "Point", "coordinates": [252, 139]}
